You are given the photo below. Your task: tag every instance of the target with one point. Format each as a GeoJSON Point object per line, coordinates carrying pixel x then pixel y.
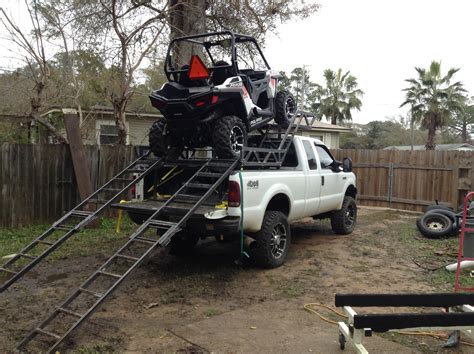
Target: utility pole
{"type": "Point", "coordinates": [303, 87]}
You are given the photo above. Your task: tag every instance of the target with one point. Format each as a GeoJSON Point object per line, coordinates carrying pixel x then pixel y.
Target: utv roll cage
{"type": "Point", "coordinates": [173, 73]}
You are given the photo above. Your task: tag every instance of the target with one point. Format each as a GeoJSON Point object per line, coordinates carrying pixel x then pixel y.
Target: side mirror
{"type": "Point", "coordinates": [347, 164]}
{"type": "Point", "coordinates": [336, 166]}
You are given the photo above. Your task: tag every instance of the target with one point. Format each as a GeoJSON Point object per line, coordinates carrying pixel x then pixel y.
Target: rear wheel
{"type": "Point", "coordinates": [285, 108]}
{"type": "Point", "coordinates": [272, 241]}
{"type": "Point", "coordinates": [229, 137]}
{"type": "Point", "coordinates": [157, 138]}
{"type": "Point", "coordinates": [183, 243]}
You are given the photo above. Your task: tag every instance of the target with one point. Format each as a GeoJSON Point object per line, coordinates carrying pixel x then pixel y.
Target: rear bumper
{"type": "Point", "coordinates": [198, 223]}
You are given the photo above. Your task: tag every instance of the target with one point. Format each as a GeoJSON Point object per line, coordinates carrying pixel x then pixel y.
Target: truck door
{"type": "Point", "coordinates": [313, 180]}
{"type": "Point", "coordinates": [332, 182]}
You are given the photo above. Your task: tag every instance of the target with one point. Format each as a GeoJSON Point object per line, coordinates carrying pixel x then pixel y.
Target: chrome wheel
{"type": "Point", "coordinates": [278, 241]}
{"type": "Point", "coordinates": [290, 107]}
{"type": "Point", "coordinates": [350, 215]}
{"type": "Point", "coordinates": [237, 139]}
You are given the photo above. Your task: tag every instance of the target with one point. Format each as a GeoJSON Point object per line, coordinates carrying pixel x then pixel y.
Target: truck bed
{"type": "Point", "coordinates": [150, 206]}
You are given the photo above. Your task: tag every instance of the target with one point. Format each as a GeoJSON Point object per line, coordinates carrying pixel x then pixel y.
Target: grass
{"type": "Point", "coordinates": [89, 242]}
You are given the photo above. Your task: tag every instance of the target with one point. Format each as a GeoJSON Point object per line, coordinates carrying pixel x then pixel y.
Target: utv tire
{"type": "Point", "coordinates": [272, 241]}
{"type": "Point", "coordinates": [434, 225]}
{"type": "Point", "coordinates": [285, 108]}
{"type": "Point", "coordinates": [156, 139]}
{"type": "Point", "coordinates": [343, 221]}
{"type": "Point", "coordinates": [229, 137]}
{"type": "Point", "coordinates": [183, 244]}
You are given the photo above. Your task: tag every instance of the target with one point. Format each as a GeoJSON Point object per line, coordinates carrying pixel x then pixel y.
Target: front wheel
{"type": "Point", "coordinates": [229, 137]}
{"type": "Point", "coordinates": [285, 108]}
{"type": "Point", "coordinates": [272, 241]}
{"type": "Point", "coordinates": [343, 221]}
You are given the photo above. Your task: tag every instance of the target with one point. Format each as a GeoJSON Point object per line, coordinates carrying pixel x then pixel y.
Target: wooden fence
{"type": "Point", "coordinates": [38, 185]}
{"type": "Point", "coordinates": [411, 180]}
{"type": "Point", "coordinates": [37, 181]}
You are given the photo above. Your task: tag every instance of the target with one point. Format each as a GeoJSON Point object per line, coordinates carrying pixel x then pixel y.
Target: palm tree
{"type": "Point", "coordinates": [433, 100]}
{"type": "Point", "coordinates": [338, 96]}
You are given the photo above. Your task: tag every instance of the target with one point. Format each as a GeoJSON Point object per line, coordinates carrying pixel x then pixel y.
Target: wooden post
{"type": "Point", "coordinates": [81, 167]}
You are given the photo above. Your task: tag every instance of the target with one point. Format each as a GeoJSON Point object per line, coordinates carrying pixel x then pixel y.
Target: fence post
{"type": "Point", "coordinates": [390, 184]}
{"type": "Point", "coordinates": [81, 166]}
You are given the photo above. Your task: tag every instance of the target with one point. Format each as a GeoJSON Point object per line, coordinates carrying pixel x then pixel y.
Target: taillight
{"type": "Point", "coordinates": [206, 100]}
{"type": "Point", "coordinates": [158, 103]}
{"type": "Point", "coordinates": [234, 194]}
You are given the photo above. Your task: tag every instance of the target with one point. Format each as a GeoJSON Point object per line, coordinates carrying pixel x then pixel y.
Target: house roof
{"type": "Point", "coordinates": [312, 124]}
{"type": "Point", "coordinates": [441, 147]}
{"type": "Point", "coordinates": [105, 111]}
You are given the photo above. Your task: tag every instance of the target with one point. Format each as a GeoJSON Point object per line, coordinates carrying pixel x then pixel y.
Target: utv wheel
{"type": "Point", "coordinates": [229, 137]}
{"type": "Point", "coordinates": [157, 139]}
{"type": "Point", "coordinates": [183, 243]}
{"type": "Point", "coordinates": [285, 108]}
{"type": "Point", "coordinates": [272, 241]}
{"type": "Point", "coordinates": [434, 225]}
{"type": "Point", "coordinates": [343, 221]}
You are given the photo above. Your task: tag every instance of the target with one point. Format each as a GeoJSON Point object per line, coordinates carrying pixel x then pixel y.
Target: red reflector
{"type": "Point", "coordinates": [214, 99]}
{"type": "Point", "coordinates": [197, 69]}
{"type": "Point", "coordinates": [200, 103]}
{"type": "Point", "coordinates": [234, 194]}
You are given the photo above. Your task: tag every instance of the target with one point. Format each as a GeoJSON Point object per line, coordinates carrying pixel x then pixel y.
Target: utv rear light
{"type": "Point", "coordinates": [206, 100]}
{"type": "Point", "coordinates": [234, 194]}
{"type": "Point", "coordinates": [158, 103]}
{"type": "Point", "coordinates": [197, 69]}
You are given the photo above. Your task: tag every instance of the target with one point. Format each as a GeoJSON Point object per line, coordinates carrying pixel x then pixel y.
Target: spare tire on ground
{"type": "Point", "coordinates": [435, 225]}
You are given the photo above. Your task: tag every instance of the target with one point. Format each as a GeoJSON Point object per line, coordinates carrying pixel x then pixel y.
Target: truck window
{"type": "Point", "coordinates": [324, 156]}
{"type": "Point", "coordinates": [310, 155]}
{"type": "Point", "coordinates": [291, 160]}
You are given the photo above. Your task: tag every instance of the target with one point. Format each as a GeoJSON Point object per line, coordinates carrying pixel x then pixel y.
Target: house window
{"type": "Point", "coordinates": [108, 134]}
{"type": "Point", "coordinates": [319, 137]}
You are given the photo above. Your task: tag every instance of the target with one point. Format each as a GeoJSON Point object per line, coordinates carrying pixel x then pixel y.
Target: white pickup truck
{"type": "Point", "coordinates": [310, 184]}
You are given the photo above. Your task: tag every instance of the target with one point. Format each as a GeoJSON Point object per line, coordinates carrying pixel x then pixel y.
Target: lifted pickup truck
{"type": "Point", "coordinates": [309, 184]}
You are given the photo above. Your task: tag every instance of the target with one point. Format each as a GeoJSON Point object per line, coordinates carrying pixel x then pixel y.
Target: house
{"type": "Point", "coordinates": [440, 147]}
{"type": "Point", "coordinates": [98, 127]}
{"type": "Point", "coordinates": [327, 133]}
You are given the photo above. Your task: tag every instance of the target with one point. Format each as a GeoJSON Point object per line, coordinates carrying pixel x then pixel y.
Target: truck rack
{"type": "Point", "coordinates": [278, 140]}
{"type": "Point", "coordinates": [156, 231]}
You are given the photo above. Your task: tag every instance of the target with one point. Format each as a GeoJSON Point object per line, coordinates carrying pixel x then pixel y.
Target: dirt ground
{"type": "Point", "coordinates": [206, 303]}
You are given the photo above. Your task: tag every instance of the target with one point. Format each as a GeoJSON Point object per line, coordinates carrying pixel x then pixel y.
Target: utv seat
{"type": "Point", "coordinates": [221, 72]}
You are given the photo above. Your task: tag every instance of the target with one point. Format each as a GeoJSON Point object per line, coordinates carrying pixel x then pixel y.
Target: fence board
{"type": "Point", "coordinates": [419, 177]}
{"type": "Point", "coordinates": [37, 182]}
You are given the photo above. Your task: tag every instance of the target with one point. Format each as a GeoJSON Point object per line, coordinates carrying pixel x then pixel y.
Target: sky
{"type": "Point", "coordinates": [379, 41]}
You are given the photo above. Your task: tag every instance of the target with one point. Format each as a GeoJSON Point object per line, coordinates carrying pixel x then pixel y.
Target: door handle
{"type": "Point", "coordinates": [322, 180]}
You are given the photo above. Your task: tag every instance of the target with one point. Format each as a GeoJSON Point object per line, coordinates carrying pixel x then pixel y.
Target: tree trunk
{"type": "Point", "coordinates": [430, 142]}
{"type": "Point", "coordinates": [334, 120]}
{"type": "Point", "coordinates": [186, 18]}
{"type": "Point", "coordinates": [36, 103]}
{"type": "Point", "coordinates": [464, 135]}
{"type": "Point", "coordinates": [120, 105]}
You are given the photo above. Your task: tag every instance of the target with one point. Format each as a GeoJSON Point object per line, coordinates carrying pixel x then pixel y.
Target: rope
{"type": "Point", "coordinates": [440, 336]}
